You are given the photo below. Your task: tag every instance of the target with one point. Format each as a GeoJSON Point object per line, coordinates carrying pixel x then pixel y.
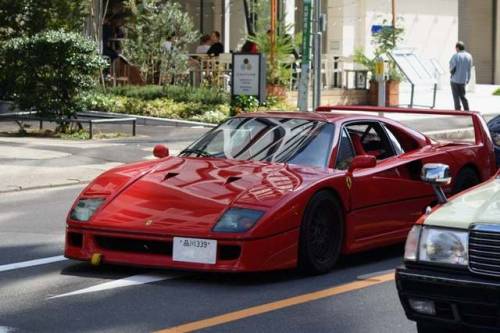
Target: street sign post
{"type": "Point", "coordinates": [249, 75]}
{"type": "Point", "coordinates": [306, 58]}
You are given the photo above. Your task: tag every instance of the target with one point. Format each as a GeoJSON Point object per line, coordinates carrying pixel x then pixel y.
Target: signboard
{"type": "Point", "coordinates": [249, 75]}
{"type": "Point", "coordinates": [377, 28]}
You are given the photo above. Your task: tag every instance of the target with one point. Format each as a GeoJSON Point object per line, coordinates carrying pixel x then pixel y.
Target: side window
{"type": "Point", "coordinates": [395, 143]}
{"type": "Point", "coordinates": [369, 138]}
{"type": "Point", "coordinates": [345, 153]}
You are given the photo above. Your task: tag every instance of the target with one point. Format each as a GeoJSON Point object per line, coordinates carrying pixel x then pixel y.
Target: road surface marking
{"type": "Point", "coordinates": [126, 282]}
{"type": "Point", "coordinates": [374, 274]}
{"type": "Point", "coordinates": [264, 308]}
{"type": "Point", "coordinates": [30, 263]}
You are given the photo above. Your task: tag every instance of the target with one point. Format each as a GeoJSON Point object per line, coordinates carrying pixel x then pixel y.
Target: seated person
{"type": "Point", "coordinates": [217, 47]}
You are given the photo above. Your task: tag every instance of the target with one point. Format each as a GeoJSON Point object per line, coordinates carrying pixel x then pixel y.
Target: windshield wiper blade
{"type": "Point", "coordinates": [197, 151]}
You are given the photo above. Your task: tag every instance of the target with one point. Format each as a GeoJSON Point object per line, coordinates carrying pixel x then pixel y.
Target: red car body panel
{"type": "Point", "coordinates": [149, 203]}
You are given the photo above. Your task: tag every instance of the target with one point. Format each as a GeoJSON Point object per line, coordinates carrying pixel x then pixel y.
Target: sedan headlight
{"type": "Point", "coordinates": [85, 208]}
{"type": "Point", "coordinates": [444, 246]}
{"type": "Point", "coordinates": [238, 220]}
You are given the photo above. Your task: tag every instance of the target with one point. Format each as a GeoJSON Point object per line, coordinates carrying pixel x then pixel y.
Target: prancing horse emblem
{"type": "Point", "coordinates": [148, 222]}
{"type": "Point", "coordinates": [348, 182]}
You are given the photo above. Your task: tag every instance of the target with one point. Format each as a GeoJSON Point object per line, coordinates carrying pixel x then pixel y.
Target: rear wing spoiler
{"type": "Point", "coordinates": [481, 132]}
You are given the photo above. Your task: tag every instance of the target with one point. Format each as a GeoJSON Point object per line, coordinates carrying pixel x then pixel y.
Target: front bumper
{"type": "Point", "coordinates": [155, 250]}
{"type": "Point", "coordinates": [463, 301]}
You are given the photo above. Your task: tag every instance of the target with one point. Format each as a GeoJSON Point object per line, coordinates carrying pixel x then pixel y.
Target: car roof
{"type": "Point", "coordinates": [332, 117]}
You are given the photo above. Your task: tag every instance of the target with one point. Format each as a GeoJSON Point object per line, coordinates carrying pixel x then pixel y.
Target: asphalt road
{"type": "Point", "coordinates": [59, 295]}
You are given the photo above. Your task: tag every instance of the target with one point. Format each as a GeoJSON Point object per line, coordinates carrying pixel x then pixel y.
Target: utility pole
{"type": "Point", "coordinates": [305, 67]}
{"type": "Point", "coordinates": [274, 12]}
{"type": "Point", "coordinates": [394, 22]}
{"type": "Point", "coordinates": [317, 54]}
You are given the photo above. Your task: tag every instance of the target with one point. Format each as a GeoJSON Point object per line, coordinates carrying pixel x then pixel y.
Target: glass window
{"type": "Point", "coordinates": [345, 153]}
{"type": "Point", "coordinates": [395, 143]}
{"type": "Point", "coordinates": [370, 139]}
{"type": "Point", "coordinates": [296, 141]}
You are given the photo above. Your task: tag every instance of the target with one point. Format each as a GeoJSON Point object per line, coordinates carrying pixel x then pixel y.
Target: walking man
{"type": "Point", "coordinates": [460, 68]}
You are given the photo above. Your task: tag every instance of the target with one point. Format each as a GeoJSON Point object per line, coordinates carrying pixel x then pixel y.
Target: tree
{"type": "Point", "coordinates": [159, 33]}
{"type": "Point", "coordinates": [50, 72]}
{"type": "Point", "coordinates": [27, 17]}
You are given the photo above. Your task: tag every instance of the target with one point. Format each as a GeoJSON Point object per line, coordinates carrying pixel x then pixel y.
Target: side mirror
{"type": "Point", "coordinates": [437, 175]}
{"type": "Point", "coordinates": [362, 162]}
{"type": "Point", "coordinates": [160, 151]}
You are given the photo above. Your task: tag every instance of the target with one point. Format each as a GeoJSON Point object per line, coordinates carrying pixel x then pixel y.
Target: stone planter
{"type": "Point", "coordinates": [276, 90]}
{"type": "Point", "coordinates": [391, 93]}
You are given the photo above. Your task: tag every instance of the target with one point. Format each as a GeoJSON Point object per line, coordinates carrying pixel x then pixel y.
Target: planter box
{"type": "Point", "coordinates": [391, 93]}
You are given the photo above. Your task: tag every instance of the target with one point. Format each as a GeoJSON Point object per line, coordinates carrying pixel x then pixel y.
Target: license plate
{"type": "Point", "coordinates": [202, 251]}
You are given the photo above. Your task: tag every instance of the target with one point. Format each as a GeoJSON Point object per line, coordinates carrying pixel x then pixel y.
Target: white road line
{"type": "Point", "coordinates": [30, 263]}
{"type": "Point", "coordinates": [4, 329]}
{"type": "Point", "coordinates": [126, 282]}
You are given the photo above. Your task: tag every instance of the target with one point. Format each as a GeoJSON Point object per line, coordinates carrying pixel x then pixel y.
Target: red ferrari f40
{"type": "Point", "coordinates": [272, 191]}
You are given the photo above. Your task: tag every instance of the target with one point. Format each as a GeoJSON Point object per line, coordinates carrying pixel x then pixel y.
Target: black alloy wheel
{"type": "Point", "coordinates": [321, 234]}
{"type": "Point", "coordinates": [467, 178]}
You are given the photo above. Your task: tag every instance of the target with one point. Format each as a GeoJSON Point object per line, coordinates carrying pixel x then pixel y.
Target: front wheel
{"type": "Point", "coordinates": [321, 234]}
{"type": "Point", "coordinates": [466, 178]}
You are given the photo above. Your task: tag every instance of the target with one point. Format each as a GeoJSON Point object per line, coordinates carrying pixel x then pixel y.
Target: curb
{"type": "Point", "coordinates": [146, 120]}
{"type": "Point", "coordinates": [41, 187]}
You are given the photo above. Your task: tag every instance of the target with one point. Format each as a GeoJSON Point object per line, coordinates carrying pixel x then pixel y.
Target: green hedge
{"type": "Point", "coordinates": [158, 107]}
{"type": "Point", "coordinates": [497, 92]}
{"type": "Point", "coordinates": [182, 94]}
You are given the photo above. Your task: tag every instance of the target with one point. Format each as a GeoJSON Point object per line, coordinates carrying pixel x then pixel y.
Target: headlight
{"type": "Point", "coordinates": [411, 246]}
{"type": "Point", "coordinates": [444, 246]}
{"type": "Point", "coordinates": [85, 208]}
{"type": "Point", "coordinates": [238, 220]}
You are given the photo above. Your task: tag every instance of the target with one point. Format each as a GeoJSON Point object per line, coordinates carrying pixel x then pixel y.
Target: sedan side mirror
{"type": "Point", "coordinates": [160, 151]}
{"type": "Point", "coordinates": [437, 175]}
{"type": "Point", "coordinates": [362, 162]}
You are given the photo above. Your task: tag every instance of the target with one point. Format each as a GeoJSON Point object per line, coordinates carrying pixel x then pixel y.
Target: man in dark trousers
{"type": "Point", "coordinates": [460, 68]}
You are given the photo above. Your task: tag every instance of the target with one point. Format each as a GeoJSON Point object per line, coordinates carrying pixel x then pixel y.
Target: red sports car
{"type": "Point", "coordinates": [271, 191]}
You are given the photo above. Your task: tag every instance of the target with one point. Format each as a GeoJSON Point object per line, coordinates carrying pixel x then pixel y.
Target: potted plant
{"type": "Point", "coordinates": [385, 41]}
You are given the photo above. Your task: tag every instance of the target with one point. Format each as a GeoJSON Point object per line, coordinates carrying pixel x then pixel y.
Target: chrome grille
{"type": "Point", "coordinates": [484, 249]}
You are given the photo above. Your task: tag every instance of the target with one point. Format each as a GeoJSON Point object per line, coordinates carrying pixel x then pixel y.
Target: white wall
{"type": "Point", "coordinates": [431, 26]}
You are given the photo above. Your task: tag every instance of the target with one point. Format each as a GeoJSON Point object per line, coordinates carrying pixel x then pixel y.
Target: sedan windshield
{"type": "Point", "coordinates": [295, 141]}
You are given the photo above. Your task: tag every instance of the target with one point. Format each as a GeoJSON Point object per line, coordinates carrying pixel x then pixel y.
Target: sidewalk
{"type": "Point", "coordinates": [30, 163]}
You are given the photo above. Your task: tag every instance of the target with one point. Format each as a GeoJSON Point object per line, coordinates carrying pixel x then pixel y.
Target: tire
{"type": "Point", "coordinates": [466, 178]}
{"type": "Point", "coordinates": [424, 327]}
{"type": "Point", "coordinates": [321, 234]}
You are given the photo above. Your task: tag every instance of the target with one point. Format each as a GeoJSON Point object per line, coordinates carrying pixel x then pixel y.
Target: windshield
{"type": "Point", "coordinates": [295, 141]}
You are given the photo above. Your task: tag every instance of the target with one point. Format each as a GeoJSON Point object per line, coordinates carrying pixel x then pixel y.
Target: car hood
{"type": "Point", "coordinates": [479, 205]}
{"type": "Point", "coordinates": [190, 194]}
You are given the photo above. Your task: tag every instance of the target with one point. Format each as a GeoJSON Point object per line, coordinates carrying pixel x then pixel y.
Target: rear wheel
{"type": "Point", "coordinates": [321, 234]}
{"type": "Point", "coordinates": [467, 177]}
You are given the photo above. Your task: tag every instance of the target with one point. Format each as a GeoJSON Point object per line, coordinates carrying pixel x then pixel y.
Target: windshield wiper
{"type": "Point", "coordinates": [198, 152]}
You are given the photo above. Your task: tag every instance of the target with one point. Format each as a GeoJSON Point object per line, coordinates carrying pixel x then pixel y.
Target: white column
{"type": "Point", "coordinates": [290, 15]}
{"type": "Point", "coordinates": [497, 43]}
{"type": "Point", "coordinates": [227, 25]}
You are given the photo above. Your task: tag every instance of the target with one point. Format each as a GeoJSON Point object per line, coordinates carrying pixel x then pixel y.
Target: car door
{"type": "Point", "coordinates": [387, 199]}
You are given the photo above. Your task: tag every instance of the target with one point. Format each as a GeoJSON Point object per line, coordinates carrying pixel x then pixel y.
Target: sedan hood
{"type": "Point", "coordinates": [479, 205]}
{"type": "Point", "coordinates": [189, 195]}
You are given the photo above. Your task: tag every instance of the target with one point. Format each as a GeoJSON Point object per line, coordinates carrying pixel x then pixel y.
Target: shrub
{"type": "Point", "coordinates": [49, 72]}
{"type": "Point", "coordinates": [157, 107]}
{"type": "Point", "coordinates": [28, 17]}
{"type": "Point", "coordinates": [154, 24]}
{"type": "Point", "coordinates": [497, 92]}
{"type": "Point", "coordinates": [206, 96]}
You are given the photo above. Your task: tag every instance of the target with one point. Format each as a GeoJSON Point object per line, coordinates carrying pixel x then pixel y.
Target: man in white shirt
{"type": "Point", "coordinates": [460, 69]}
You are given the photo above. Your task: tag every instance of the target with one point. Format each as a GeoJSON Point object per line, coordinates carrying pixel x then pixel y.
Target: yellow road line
{"type": "Point", "coordinates": [260, 309]}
